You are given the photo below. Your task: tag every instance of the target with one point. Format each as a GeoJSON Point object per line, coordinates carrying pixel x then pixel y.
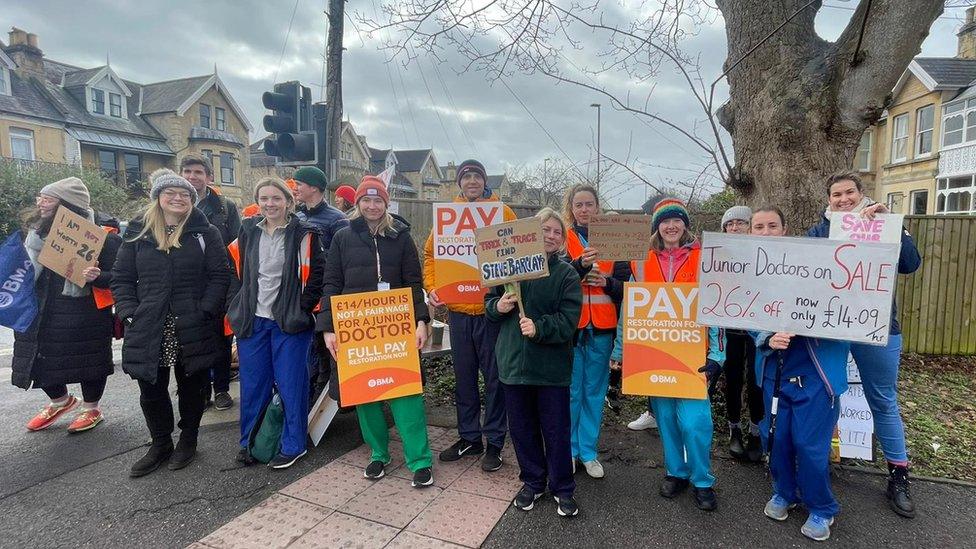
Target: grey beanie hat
{"type": "Point", "coordinates": [165, 178]}
{"type": "Point", "coordinates": [71, 190]}
{"type": "Point", "coordinates": [737, 212]}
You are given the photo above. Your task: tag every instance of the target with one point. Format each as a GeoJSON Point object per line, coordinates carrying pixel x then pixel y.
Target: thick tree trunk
{"type": "Point", "coordinates": [333, 83]}
{"type": "Point", "coordinates": [799, 104]}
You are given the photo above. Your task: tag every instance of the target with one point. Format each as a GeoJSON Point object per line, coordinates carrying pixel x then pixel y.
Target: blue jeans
{"type": "Point", "coordinates": [879, 376]}
{"type": "Point", "coordinates": [588, 391]}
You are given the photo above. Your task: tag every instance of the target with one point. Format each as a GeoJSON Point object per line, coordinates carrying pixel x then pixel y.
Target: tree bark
{"type": "Point", "coordinates": [799, 104]}
{"type": "Point", "coordinates": [333, 85]}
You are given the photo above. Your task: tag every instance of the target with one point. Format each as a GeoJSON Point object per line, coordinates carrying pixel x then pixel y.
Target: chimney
{"type": "Point", "coordinates": [24, 51]}
{"type": "Point", "coordinates": [967, 37]}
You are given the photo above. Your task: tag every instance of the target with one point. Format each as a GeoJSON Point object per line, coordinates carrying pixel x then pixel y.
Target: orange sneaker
{"type": "Point", "coordinates": [46, 417]}
{"type": "Point", "coordinates": [86, 420]}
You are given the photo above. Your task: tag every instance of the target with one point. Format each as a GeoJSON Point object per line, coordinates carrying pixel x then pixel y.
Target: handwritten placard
{"type": "Point", "coordinates": [72, 245]}
{"type": "Point", "coordinates": [624, 237]}
{"type": "Point", "coordinates": [510, 252]}
{"type": "Point", "coordinates": [809, 286]}
{"type": "Point", "coordinates": [455, 260]}
{"type": "Point", "coordinates": [856, 422]}
{"type": "Point", "coordinates": [851, 226]}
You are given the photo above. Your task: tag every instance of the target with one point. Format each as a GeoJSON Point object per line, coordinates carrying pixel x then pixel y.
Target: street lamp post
{"type": "Point", "coordinates": [597, 105]}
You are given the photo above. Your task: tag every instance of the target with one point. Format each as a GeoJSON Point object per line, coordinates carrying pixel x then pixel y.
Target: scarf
{"type": "Point", "coordinates": [34, 243]}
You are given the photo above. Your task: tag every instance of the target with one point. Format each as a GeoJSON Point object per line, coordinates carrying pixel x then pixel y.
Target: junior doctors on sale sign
{"type": "Point", "coordinates": [456, 274]}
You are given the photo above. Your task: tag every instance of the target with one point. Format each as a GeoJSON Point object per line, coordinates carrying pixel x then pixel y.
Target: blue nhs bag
{"type": "Point", "coordinates": [18, 306]}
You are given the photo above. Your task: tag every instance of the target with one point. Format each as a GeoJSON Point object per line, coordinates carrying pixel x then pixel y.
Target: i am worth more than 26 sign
{"type": "Point", "coordinates": [809, 286]}
{"type": "Point", "coordinates": [456, 276]}
{"type": "Point", "coordinates": [663, 345]}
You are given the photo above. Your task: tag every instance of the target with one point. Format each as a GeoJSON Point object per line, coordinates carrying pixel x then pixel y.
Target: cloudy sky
{"type": "Point", "coordinates": [461, 116]}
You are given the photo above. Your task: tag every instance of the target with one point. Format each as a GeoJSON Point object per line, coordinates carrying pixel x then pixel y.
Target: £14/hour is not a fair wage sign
{"type": "Point", "coordinates": [663, 345]}
{"type": "Point", "coordinates": [377, 346]}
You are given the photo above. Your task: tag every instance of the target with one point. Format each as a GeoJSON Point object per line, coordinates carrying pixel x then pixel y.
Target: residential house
{"type": "Point", "coordinates": [418, 167]}
{"type": "Point", "coordinates": [56, 112]}
{"type": "Point", "coordinates": [354, 155]}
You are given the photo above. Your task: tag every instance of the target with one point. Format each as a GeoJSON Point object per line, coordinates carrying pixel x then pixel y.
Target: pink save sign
{"type": "Point", "coordinates": [884, 228]}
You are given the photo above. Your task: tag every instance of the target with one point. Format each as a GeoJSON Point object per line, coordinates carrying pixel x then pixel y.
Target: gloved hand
{"type": "Point", "coordinates": [712, 370]}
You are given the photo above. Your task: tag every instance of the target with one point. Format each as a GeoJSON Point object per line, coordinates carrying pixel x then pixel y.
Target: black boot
{"type": "Point", "coordinates": [158, 453]}
{"type": "Point", "coordinates": [186, 450]}
{"type": "Point", "coordinates": [754, 451]}
{"type": "Point", "coordinates": [736, 448]}
{"type": "Point", "coordinates": [899, 498]}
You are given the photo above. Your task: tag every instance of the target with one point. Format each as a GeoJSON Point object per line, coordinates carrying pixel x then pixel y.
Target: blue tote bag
{"type": "Point", "coordinates": [18, 305]}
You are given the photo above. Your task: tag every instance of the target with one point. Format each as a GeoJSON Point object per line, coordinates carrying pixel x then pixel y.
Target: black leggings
{"type": "Point", "coordinates": [91, 391]}
{"type": "Point", "coordinates": [157, 407]}
{"type": "Point", "coordinates": [740, 364]}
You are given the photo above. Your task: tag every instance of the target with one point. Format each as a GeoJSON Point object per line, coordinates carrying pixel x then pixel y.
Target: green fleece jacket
{"type": "Point", "coordinates": [554, 304]}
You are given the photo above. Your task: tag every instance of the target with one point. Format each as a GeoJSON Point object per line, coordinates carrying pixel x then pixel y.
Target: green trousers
{"type": "Point", "coordinates": [410, 419]}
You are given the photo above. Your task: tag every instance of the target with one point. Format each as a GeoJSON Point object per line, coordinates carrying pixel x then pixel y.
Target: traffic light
{"type": "Point", "coordinates": [290, 123]}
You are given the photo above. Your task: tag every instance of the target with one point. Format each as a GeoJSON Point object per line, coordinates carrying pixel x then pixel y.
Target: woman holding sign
{"type": "Point", "coordinates": [376, 253]}
{"type": "Point", "coordinates": [685, 424]}
{"type": "Point", "coordinates": [603, 286]}
{"type": "Point", "coordinates": [280, 266]}
{"type": "Point", "coordinates": [535, 345]}
{"type": "Point", "coordinates": [70, 340]}
{"type": "Point", "coordinates": [878, 366]}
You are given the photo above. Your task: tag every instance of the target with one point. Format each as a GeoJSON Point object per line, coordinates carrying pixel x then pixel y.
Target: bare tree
{"type": "Point", "coordinates": [798, 104]}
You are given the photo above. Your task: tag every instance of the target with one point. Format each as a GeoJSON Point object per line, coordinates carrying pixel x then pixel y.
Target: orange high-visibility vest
{"type": "Point", "coordinates": [251, 211]}
{"type": "Point", "coordinates": [103, 296]}
{"type": "Point", "coordinates": [598, 308]}
{"type": "Point", "coordinates": [650, 269]}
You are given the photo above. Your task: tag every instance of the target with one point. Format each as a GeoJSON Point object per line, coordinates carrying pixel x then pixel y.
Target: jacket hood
{"type": "Point", "coordinates": [196, 223]}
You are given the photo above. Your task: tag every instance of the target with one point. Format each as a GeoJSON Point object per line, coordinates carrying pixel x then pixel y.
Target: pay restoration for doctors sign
{"type": "Point", "coordinates": [456, 276]}
{"type": "Point", "coordinates": [377, 346]}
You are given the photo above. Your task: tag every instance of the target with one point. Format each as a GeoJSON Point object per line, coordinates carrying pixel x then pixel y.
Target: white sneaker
{"type": "Point", "coordinates": [645, 421]}
{"type": "Point", "coordinates": [593, 468]}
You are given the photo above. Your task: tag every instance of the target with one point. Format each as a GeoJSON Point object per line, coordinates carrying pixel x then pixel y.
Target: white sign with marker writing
{"type": "Point", "coordinates": [851, 226]}
{"type": "Point", "coordinates": [856, 422]}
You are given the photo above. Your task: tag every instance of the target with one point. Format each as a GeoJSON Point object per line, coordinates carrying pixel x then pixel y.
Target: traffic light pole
{"type": "Point", "coordinates": [333, 88]}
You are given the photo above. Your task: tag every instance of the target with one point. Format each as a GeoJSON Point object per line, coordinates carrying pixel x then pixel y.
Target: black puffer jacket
{"type": "Point", "coordinates": [351, 266]}
{"type": "Point", "coordinates": [190, 281]}
{"type": "Point", "coordinates": [293, 307]}
{"type": "Point", "coordinates": [71, 339]}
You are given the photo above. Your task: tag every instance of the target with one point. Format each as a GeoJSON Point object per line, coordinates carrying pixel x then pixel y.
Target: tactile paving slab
{"type": "Point", "coordinates": [360, 456]}
{"type": "Point", "coordinates": [330, 486]}
{"type": "Point", "coordinates": [445, 472]}
{"type": "Point", "coordinates": [275, 522]}
{"type": "Point", "coordinates": [340, 530]}
{"type": "Point", "coordinates": [457, 517]}
{"type": "Point", "coordinates": [409, 540]}
{"type": "Point", "coordinates": [391, 501]}
{"type": "Point", "coordinates": [502, 484]}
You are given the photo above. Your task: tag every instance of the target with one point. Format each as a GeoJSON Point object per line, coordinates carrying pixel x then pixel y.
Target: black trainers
{"type": "Point", "coordinates": [672, 486]}
{"type": "Point", "coordinates": [462, 448]}
{"type": "Point", "coordinates": [899, 497]}
{"type": "Point", "coordinates": [566, 507]}
{"type": "Point", "coordinates": [284, 461]}
{"type": "Point", "coordinates": [375, 470]}
{"type": "Point", "coordinates": [244, 457]}
{"type": "Point", "coordinates": [525, 499]}
{"type": "Point", "coordinates": [705, 499]}
{"type": "Point", "coordinates": [422, 478]}
{"type": "Point", "coordinates": [156, 456]}
{"type": "Point", "coordinates": [222, 401]}
{"type": "Point", "coordinates": [736, 448]}
{"type": "Point", "coordinates": [754, 452]}
{"type": "Point", "coordinates": [492, 460]}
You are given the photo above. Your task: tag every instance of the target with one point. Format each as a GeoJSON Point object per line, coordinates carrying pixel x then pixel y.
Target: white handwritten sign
{"type": "Point", "coordinates": [809, 286]}
{"type": "Point", "coordinates": [856, 425]}
{"type": "Point", "coordinates": [851, 226]}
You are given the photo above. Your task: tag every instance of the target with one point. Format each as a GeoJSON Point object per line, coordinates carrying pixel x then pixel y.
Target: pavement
{"type": "Point", "coordinates": [60, 490]}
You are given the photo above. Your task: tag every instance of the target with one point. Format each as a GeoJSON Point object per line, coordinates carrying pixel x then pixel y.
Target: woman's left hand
{"type": "Point", "coordinates": [91, 273]}
{"type": "Point", "coordinates": [597, 281]}
{"type": "Point", "coordinates": [421, 334]}
{"type": "Point", "coordinates": [876, 208]}
{"type": "Point", "coordinates": [528, 327]}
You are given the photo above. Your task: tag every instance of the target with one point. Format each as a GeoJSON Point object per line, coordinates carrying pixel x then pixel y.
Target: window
{"type": "Point", "coordinates": [133, 168]}
{"type": "Point", "coordinates": [22, 144]}
{"type": "Point", "coordinates": [920, 202]}
{"type": "Point", "coordinates": [115, 105]}
{"type": "Point", "coordinates": [954, 195]}
{"type": "Point", "coordinates": [204, 115]}
{"type": "Point", "coordinates": [209, 154]}
{"type": "Point", "coordinates": [227, 168]}
{"type": "Point", "coordinates": [98, 101]}
{"type": "Point", "coordinates": [899, 138]}
{"type": "Point", "coordinates": [952, 124]}
{"type": "Point", "coordinates": [924, 120]}
{"type": "Point", "coordinates": [862, 160]}
{"type": "Point", "coordinates": [221, 123]}
{"type": "Point", "coordinates": [5, 82]}
{"type": "Point", "coordinates": [107, 163]}
{"type": "Point", "coordinates": [894, 202]}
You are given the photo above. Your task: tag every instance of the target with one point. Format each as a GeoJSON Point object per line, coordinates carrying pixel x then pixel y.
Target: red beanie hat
{"type": "Point", "coordinates": [347, 193]}
{"type": "Point", "coordinates": [372, 186]}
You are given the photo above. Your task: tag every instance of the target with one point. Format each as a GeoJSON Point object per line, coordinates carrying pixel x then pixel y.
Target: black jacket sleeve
{"type": "Point", "coordinates": [332, 284]}
{"type": "Point", "coordinates": [615, 283]}
{"type": "Point", "coordinates": [412, 276]}
{"type": "Point", "coordinates": [233, 221]}
{"type": "Point", "coordinates": [313, 289]}
{"type": "Point", "coordinates": [217, 273]}
{"type": "Point", "coordinates": [106, 259]}
{"type": "Point", "coordinates": [124, 276]}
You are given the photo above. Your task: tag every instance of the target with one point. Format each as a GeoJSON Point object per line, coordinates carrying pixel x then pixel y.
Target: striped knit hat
{"type": "Point", "coordinates": [669, 208]}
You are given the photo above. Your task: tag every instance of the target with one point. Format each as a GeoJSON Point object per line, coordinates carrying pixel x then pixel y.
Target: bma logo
{"type": "Point", "coordinates": [6, 300]}
{"type": "Point", "coordinates": [655, 378]}
{"type": "Point", "coordinates": [380, 382]}
{"type": "Point", "coordinates": [462, 288]}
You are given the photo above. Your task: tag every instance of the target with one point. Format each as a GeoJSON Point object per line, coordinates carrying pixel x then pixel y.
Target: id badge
{"type": "Point", "coordinates": [382, 286]}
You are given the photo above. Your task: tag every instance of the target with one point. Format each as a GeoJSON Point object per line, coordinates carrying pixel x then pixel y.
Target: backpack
{"type": "Point", "coordinates": [264, 442]}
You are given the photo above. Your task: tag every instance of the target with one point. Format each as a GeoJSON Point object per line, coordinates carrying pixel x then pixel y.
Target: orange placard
{"type": "Point", "coordinates": [663, 346]}
{"type": "Point", "coordinates": [456, 274]}
{"type": "Point", "coordinates": [377, 346]}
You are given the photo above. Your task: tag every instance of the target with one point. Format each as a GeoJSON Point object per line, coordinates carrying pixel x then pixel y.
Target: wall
{"type": "Point", "coordinates": [48, 140]}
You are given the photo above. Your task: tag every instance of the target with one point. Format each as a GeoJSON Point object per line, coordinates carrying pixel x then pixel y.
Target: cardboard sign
{"type": "Point", "coordinates": [321, 415]}
{"type": "Point", "coordinates": [809, 286]}
{"type": "Point", "coordinates": [510, 252]}
{"type": "Point", "coordinates": [620, 237]}
{"type": "Point", "coordinates": [663, 345]}
{"type": "Point", "coordinates": [455, 261]}
{"type": "Point", "coordinates": [377, 346]}
{"type": "Point", "coordinates": [884, 228]}
{"type": "Point", "coordinates": [72, 245]}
